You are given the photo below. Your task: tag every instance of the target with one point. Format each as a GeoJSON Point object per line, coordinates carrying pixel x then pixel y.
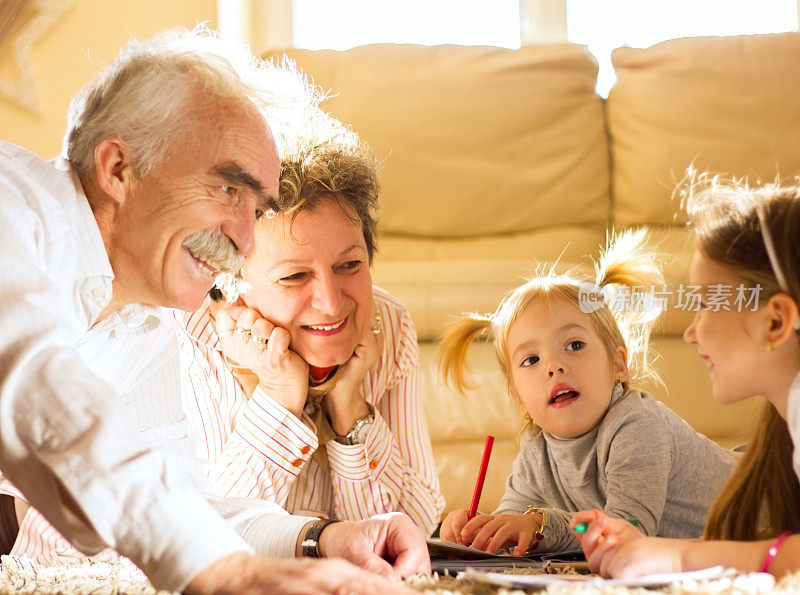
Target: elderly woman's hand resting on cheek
{"type": "Point", "coordinates": [615, 548]}
{"type": "Point", "coordinates": [251, 341]}
{"type": "Point", "coordinates": [345, 402]}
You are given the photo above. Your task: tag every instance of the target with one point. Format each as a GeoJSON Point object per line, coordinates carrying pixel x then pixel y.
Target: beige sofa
{"type": "Point", "coordinates": [496, 160]}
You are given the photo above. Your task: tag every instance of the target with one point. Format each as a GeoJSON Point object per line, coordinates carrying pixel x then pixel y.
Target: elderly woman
{"type": "Point", "coordinates": [306, 387]}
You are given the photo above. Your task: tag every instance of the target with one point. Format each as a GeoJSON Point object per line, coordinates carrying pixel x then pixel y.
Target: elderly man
{"type": "Point", "coordinates": [168, 163]}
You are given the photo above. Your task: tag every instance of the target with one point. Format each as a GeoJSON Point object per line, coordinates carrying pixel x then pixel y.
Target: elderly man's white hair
{"type": "Point", "coordinates": [148, 94]}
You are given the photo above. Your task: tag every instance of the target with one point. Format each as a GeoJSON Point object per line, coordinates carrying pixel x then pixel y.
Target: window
{"type": "Point", "coordinates": [603, 26]}
{"type": "Point", "coordinates": [343, 24]}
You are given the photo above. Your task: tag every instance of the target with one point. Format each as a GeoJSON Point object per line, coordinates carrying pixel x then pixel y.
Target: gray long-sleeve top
{"type": "Point", "coordinates": [641, 461]}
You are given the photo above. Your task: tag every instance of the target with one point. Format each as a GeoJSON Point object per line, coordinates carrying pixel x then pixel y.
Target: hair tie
{"type": "Point", "coordinates": [493, 324]}
{"type": "Point", "coordinates": [592, 297]}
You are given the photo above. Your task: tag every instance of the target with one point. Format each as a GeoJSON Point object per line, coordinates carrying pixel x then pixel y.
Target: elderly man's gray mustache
{"type": "Point", "coordinates": [216, 250]}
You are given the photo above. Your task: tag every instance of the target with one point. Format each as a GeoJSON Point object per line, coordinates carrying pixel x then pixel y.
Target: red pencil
{"type": "Point", "coordinates": [476, 497]}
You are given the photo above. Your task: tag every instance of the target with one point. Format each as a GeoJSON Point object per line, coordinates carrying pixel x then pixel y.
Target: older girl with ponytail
{"type": "Point", "coordinates": [749, 237]}
{"type": "Point", "coordinates": [571, 351]}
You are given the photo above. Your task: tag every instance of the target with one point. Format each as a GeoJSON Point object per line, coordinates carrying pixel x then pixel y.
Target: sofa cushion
{"type": "Point", "coordinates": [476, 140]}
{"type": "Point", "coordinates": [729, 105]}
{"type": "Point", "coordinates": [459, 425]}
{"type": "Point", "coordinates": [439, 279]}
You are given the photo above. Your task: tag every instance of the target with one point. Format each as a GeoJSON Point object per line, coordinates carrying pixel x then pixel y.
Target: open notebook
{"type": "Point", "coordinates": [454, 558]}
{"type": "Point", "coordinates": [443, 550]}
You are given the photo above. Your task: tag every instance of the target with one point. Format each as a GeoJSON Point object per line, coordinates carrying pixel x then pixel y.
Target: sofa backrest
{"type": "Point", "coordinates": [477, 141]}
{"type": "Point", "coordinates": [728, 105]}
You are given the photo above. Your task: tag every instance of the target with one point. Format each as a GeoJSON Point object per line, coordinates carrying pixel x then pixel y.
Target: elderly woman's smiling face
{"type": "Point", "coordinates": [311, 276]}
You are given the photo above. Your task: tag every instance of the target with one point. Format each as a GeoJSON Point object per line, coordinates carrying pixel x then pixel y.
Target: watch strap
{"type": "Point", "coordinates": [310, 545]}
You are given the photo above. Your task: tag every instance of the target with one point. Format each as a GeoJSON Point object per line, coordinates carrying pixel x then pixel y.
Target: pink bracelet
{"type": "Point", "coordinates": [773, 550]}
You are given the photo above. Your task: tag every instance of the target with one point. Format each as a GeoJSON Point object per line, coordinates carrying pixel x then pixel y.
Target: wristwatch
{"type": "Point", "coordinates": [310, 545]}
{"type": "Point", "coordinates": [358, 435]}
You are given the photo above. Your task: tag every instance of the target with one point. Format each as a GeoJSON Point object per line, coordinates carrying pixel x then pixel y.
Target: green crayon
{"type": "Point", "coordinates": [581, 528]}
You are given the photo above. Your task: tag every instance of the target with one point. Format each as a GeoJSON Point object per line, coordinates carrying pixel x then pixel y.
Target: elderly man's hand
{"type": "Point", "coordinates": [387, 544]}
{"type": "Point", "coordinates": [245, 573]}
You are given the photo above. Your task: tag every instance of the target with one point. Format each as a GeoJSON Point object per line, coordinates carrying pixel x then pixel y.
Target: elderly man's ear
{"type": "Point", "coordinates": [115, 174]}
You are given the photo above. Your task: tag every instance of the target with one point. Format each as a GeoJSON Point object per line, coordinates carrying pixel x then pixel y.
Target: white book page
{"type": "Point", "coordinates": [543, 580]}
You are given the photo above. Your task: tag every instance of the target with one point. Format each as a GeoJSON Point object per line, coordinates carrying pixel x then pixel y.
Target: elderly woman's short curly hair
{"type": "Point", "coordinates": [325, 160]}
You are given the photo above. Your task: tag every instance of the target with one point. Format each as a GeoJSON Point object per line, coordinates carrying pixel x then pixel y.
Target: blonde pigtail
{"type": "Point", "coordinates": [455, 343]}
{"type": "Point", "coordinates": [629, 261]}
{"type": "Point", "coordinates": [630, 275]}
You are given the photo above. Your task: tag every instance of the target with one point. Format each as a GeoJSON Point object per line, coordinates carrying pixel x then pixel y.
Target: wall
{"type": "Point", "coordinates": [85, 38]}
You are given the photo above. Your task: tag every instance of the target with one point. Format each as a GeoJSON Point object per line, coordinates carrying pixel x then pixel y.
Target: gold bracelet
{"type": "Point", "coordinates": [538, 535]}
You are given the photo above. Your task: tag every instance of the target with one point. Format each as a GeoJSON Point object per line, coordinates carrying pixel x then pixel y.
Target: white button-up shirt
{"type": "Point", "coordinates": [91, 426]}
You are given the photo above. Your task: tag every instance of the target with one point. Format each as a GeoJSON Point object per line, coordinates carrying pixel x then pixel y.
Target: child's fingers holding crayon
{"type": "Point", "coordinates": [603, 536]}
{"type": "Point", "coordinates": [518, 529]}
{"type": "Point", "coordinates": [475, 527]}
{"type": "Point", "coordinates": [581, 520]}
{"type": "Point", "coordinates": [452, 525]}
{"type": "Point", "coordinates": [594, 524]}
{"type": "Point", "coordinates": [505, 535]}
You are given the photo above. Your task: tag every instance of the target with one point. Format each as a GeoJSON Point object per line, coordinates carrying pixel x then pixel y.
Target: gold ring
{"type": "Point", "coordinates": [241, 331]}
{"type": "Point", "coordinates": [255, 339]}
{"type": "Point", "coordinates": [376, 328]}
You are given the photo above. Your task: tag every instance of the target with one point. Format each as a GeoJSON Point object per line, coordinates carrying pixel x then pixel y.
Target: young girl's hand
{"type": "Point", "coordinates": [615, 548]}
{"type": "Point", "coordinates": [492, 532]}
{"type": "Point", "coordinates": [452, 525]}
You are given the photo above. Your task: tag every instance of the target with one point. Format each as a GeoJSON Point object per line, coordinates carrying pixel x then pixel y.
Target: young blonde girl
{"type": "Point", "coordinates": [748, 237]}
{"type": "Point", "coordinates": [570, 350]}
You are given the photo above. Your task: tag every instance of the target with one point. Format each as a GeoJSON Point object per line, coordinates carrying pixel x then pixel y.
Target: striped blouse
{"type": "Point", "coordinates": [260, 450]}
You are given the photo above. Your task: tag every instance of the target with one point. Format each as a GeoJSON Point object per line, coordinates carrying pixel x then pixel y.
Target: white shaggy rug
{"type": "Point", "coordinates": [20, 575]}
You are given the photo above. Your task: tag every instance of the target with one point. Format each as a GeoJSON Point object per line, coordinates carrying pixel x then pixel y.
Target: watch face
{"type": "Point", "coordinates": [360, 432]}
